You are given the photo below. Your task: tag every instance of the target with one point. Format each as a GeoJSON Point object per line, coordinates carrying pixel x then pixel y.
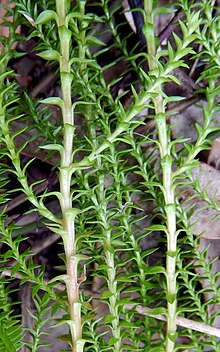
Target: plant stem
{"type": "Point", "coordinates": [68, 213]}
{"type": "Point", "coordinates": [100, 201]}
{"type": "Point", "coordinates": [168, 187]}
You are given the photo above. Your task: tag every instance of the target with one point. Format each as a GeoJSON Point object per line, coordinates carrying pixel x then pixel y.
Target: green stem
{"type": "Point", "coordinates": [168, 187]}
{"type": "Point", "coordinates": [68, 213]}
{"type": "Point", "coordinates": [112, 286]}
{"type": "Point", "coordinates": [120, 183]}
{"type": "Point", "coordinates": [99, 199]}
{"type": "Point", "coordinates": [82, 42]}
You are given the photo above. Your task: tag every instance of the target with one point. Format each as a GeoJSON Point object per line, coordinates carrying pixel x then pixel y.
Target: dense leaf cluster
{"type": "Point", "coordinates": [116, 180]}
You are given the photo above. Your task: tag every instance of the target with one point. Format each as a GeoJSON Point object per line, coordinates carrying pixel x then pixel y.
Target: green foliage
{"type": "Point", "coordinates": [126, 236]}
{"type": "Point", "coordinates": [11, 332]}
{"type": "Point", "coordinates": [40, 320]}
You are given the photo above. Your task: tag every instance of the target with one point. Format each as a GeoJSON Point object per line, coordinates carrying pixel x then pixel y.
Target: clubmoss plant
{"type": "Point", "coordinates": [128, 247]}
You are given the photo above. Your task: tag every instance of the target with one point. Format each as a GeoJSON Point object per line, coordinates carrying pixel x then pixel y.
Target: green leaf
{"type": "Point", "coordinates": [50, 55]}
{"type": "Point", "coordinates": [71, 213]}
{"type": "Point", "coordinates": [157, 311]}
{"type": "Point", "coordinates": [157, 349]}
{"type": "Point", "coordinates": [103, 267]}
{"type": "Point", "coordinates": [79, 257]}
{"type": "Point", "coordinates": [109, 248]}
{"type": "Point", "coordinates": [66, 78]}
{"type": "Point", "coordinates": [157, 227]}
{"type": "Point", "coordinates": [127, 324]}
{"type": "Point", "coordinates": [86, 61]}
{"type": "Point", "coordinates": [4, 338]}
{"type": "Point", "coordinates": [107, 294]}
{"type": "Point", "coordinates": [118, 242]}
{"type": "Point", "coordinates": [112, 341]}
{"type": "Point", "coordinates": [172, 254]}
{"type": "Point", "coordinates": [57, 147]}
{"type": "Point", "coordinates": [46, 16]}
{"type": "Point", "coordinates": [65, 34]}
{"type": "Point", "coordinates": [87, 305]}
{"type": "Point", "coordinates": [93, 41]}
{"type": "Point", "coordinates": [148, 252]}
{"type": "Point", "coordinates": [171, 298]}
{"type": "Point", "coordinates": [35, 289]}
{"type": "Point", "coordinates": [172, 336]}
{"type": "Point", "coordinates": [124, 301]}
{"type": "Point", "coordinates": [53, 101]}
{"type": "Point", "coordinates": [109, 318]}
{"type": "Point", "coordinates": [186, 309]}
{"type": "Point", "coordinates": [63, 277]}
{"type": "Point", "coordinates": [80, 343]}
{"type": "Point", "coordinates": [156, 270]}
{"type": "Point", "coordinates": [124, 279]}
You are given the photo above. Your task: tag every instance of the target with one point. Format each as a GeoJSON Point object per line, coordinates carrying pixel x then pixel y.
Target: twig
{"type": "Point", "coordinates": [186, 323]}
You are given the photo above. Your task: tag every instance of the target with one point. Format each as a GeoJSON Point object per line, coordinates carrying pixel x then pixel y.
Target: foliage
{"type": "Point", "coordinates": [126, 235]}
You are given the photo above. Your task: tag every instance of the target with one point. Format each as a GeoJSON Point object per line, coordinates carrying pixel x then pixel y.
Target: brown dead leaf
{"type": "Point", "coordinates": [205, 220]}
{"type": "Point", "coordinates": [213, 252]}
{"type": "Point", "coordinates": [214, 155]}
{"type": "Point", "coordinates": [183, 124]}
{"type": "Point", "coordinates": [4, 30]}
